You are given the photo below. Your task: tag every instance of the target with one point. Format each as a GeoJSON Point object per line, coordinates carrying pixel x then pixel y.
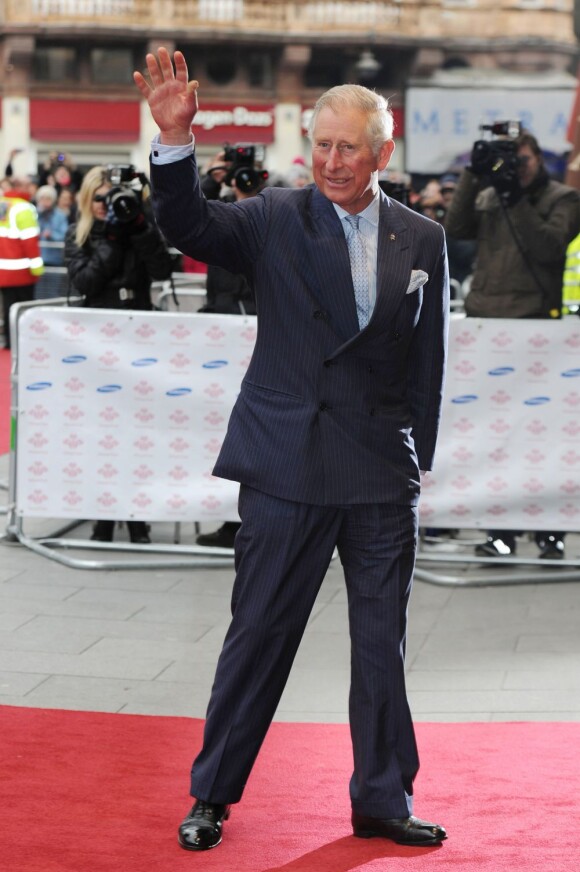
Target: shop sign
{"type": "Point", "coordinates": [218, 123]}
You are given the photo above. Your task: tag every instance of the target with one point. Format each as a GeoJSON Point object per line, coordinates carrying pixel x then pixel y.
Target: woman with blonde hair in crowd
{"type": "Point", "coordinates": [113, 253]}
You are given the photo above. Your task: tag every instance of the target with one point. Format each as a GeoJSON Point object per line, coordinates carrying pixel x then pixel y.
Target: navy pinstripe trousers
{"type": "Point", "coordinates": [283, 550]}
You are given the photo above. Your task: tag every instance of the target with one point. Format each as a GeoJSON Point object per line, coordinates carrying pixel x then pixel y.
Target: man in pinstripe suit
{"type": "Point", "coordinates": [338, 412]}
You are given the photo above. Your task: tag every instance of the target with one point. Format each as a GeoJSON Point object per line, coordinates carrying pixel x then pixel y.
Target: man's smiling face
{"type": "Point", "coordinates": [344, 166]}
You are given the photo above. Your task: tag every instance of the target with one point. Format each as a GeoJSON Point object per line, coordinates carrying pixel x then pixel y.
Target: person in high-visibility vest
{"type": "Point", "coordinates": [571, 285]}
{"type": "Point", "coordinates": [20, 260]}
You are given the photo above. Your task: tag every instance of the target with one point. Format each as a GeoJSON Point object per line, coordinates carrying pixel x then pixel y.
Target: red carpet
{"type": "Point", "coordinates": [4, 400]}
{"type": "Point", "coordinates": [82, 791]}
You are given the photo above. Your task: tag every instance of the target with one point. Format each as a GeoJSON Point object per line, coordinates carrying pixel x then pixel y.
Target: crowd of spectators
{"type": "Point", "coordinates": [54, 189]}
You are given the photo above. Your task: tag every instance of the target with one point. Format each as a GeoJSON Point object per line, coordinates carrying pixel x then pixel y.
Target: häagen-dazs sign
{"type": "Point", "coordinates": [217, 123]}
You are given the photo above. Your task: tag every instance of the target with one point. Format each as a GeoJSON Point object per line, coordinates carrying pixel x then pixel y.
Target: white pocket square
{"type": "Point", "coordinates": [418, 279]}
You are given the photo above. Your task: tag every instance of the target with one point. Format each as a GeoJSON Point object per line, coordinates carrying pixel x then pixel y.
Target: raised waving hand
{"type": "Point", "coordinates": [172, 98]}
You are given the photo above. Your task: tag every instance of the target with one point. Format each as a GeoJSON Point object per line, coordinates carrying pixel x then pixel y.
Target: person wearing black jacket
{"type": "Point", "coordinates": [226, 294]}
{"type": "Point", "coordinates": [111, 263]}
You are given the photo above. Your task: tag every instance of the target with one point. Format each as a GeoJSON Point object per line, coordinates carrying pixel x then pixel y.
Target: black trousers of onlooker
{"type": "Point", "coordinates": [509, 536]}
{"type": "Point", "coordinates": [11, 295]}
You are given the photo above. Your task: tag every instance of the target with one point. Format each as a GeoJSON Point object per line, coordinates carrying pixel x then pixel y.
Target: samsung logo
{"type": "Point", "coordinates": [144, 361]}
{"type": "Point", "coordinates": [571, 373]}
{"type": "Point", "coordinates": [178, 392]}
{"type": "Point", "coordinates": [537, 401]}
{"type": "Point", "coordinates": [38, 386]}
{"type": "Point", "coordinates": [214, 364]}
{"type": "Point", "coordinates": [108, 389]}
{"type": "Point", "coordinates": [465, 398]}
{"type": "Point", "coordinates": [74, 358]}
{"type": "Point", "coordinates": [501, 370]}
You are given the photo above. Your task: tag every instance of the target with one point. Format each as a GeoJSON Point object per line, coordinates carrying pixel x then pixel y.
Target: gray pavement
{"type": "Point", "coordinates": [146, 641]}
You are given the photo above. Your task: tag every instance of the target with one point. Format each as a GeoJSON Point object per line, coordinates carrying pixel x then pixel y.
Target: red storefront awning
{"type": "Point", "coordinates": [85, 121]}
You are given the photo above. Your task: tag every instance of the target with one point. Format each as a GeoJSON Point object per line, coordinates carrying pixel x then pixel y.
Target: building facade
{"type": "Point", "coordinates": [66, 83]}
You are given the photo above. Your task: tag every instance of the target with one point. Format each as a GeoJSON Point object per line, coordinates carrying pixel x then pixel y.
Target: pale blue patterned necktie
{"type": "Point", "coordinates": [358, 267]}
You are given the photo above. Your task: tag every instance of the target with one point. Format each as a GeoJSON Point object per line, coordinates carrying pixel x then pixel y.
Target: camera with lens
{"type": "Point", "coordinates": [496, 157]}
{"type": "Point", "coordinates": [124, 201]}
{"type": "Point", "coordinates": [242, 167]}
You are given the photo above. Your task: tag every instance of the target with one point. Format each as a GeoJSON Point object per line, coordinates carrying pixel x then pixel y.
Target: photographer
{"type": "Point", "coordinates": [523, 222]}
{"type": "Point", "coordinates": [113, 253]}
{"type": "Point", "coordinates": [226, 292]}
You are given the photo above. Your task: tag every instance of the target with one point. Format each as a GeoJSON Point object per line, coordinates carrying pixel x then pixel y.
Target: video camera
{"type": "Point", "coordinates": [395, 190]}
{"type": "Point", "coordinates": [242, 160]}
{"type": "Point", "coordinates": [497, 156]}
{"type": "Point", "coordinates": [124, 201]}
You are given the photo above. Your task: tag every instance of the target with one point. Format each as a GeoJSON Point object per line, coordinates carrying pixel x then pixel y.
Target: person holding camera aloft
{"type": "Point", "coordinates": [113, 253]}
{"type": "Point", "coordinates": [229, 293]}
{"type": "Point", "coordinates": [523, 222]}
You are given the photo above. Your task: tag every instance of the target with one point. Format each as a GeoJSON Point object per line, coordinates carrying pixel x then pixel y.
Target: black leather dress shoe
{"type": "Point", "coordinates": [103, 531]}
{"type": "Point", "coordinates": [139, 532]}
{"type": "Point", "coordinates": [202, 828]}
{"type": "Point", "coordinates": [404, 831]}
{"type": "Point", "coordinates": [222, 538]}
{"type": "Point", "coordinates": [495, 548]}
{"type": "Point", "coordinates": [551, 548]}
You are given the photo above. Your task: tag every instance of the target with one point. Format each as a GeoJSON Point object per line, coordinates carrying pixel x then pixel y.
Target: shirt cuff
{"type": "Point", "coordinates": [165, 154]}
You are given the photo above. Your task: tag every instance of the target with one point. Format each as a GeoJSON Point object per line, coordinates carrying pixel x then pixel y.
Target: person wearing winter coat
{"type": "Point", "coordinates": [523, 222]}
{"type": "Point", "coordinates": [111, 263]}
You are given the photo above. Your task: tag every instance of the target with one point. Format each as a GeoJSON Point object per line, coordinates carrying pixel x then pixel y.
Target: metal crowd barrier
{"type": "Point", "coordinates": [151, 556]}
{"type": "Point", "coordinates": [57, 546]}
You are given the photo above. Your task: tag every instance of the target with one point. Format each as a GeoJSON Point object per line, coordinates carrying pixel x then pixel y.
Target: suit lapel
{"type": "Point", "coordinates": [394, 265]}
{"type": "Point", "coordinates": [328, 254]}
{"type": "Point", "coordinates": [394, 260]}
{"type": "Point", "coordinates": [331, 266]}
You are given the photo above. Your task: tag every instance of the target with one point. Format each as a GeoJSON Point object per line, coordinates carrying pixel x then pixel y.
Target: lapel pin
{"type": "Point", "coordinates": [392, 237]}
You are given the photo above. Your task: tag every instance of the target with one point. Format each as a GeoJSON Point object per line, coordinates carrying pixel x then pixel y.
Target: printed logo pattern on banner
{"type": "Point", "coordinates": [509, 446]}
{"type": "Point", "coordinates": [122, 414]}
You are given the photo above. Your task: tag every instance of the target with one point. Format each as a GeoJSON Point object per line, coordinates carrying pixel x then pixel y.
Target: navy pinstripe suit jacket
{"type": "Point", "coordinates": [326, 415]}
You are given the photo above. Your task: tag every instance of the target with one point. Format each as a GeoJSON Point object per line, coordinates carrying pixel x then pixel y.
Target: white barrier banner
{"type": "Point", "coordinates": [509, 448]}
{"type": "Point", "coordinates": [122, 414]}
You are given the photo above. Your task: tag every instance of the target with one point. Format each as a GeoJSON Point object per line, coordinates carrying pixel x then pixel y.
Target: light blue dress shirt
{"type": "Point", "coordinates": [369, 230]}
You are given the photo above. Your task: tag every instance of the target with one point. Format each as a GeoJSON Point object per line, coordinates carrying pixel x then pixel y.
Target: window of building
{"type": "Point", "coordinates": [260, 73]}
{"type": "Point", "coordinates": [55, 63]}
{"type": "Point", "coordinates": [221, 68]}
{"type": "Point", "coordinates": [111, 66]}
{"type": "Point", "coordinates": [326, 69]}
{"type": "Point", "coordinates": [221, 10]}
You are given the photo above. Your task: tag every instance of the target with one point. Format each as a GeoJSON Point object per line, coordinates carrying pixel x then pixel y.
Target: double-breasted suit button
{"type": "Point", "coordinates": [318, 313]}
{"type": "Point", "coordinates": [324, 407]}
{"type": "Point", "coordinates": [397, 335]}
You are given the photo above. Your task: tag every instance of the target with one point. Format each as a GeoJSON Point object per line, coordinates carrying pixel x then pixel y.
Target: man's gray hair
{"type": "Point", "coordinates": [376, 107]}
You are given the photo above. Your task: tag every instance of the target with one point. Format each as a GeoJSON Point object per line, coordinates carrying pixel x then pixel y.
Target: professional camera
{"type": "Point", "coordinates": [242, 160]}
{"type": "Point", "coordinates": [395, 190]}
{"type": "Point", "coordinates": [497, 156]}
{"type": "Point", "coordinates": [124, 201]}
